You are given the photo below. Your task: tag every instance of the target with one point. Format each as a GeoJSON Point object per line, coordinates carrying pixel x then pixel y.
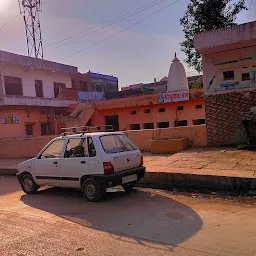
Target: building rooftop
{"type": "Point", "coordinates": [30, 62]}
{"type": "Point", "coordinates": [226, 38]}
{"type": "Point", "coordinates": [141, 100]}
{"type": "Point", "coordinates": [98, 76]}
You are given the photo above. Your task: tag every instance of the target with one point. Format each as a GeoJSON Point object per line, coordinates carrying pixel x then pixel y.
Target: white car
{"type": "Point", "coordinates": [88, 161]}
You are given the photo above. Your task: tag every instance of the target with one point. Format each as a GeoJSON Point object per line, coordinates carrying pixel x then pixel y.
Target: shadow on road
{"type": "Point", "coordinates": [138, 215]}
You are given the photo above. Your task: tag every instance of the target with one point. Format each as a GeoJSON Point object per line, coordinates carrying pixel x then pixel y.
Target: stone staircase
{"type": "Point", "coordinates": [80, 115]}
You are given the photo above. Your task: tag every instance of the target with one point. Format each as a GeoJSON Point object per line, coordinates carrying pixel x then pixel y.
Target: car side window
{"type": "Point", "coordinates": [54, 150]}
{"type": "Point", "coordinates": [76, 147]}
{"type": "Point", "coordinates": [116, 143]}
{"type": "Point", "coordinates": [91, 147]}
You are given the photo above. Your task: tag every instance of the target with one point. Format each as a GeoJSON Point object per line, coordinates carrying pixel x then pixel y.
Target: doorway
{"type": "Point", "coordinates": [112, 120]}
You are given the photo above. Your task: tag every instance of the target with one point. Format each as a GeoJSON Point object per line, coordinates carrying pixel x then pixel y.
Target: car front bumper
{"type": "Point", "coordinates": [115, 179]}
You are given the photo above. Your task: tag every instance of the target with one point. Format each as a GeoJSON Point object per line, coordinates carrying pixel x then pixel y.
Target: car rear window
{"type": "Point", "coordinates": [116, 143]}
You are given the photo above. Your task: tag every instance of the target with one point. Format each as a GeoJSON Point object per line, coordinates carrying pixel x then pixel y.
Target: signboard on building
{"type": "Point", "coordinates": [10, 118]}
{"type": "Point", "coordinates": [173, 96]}
{"type": "Point", "coordinates": [90, 96]}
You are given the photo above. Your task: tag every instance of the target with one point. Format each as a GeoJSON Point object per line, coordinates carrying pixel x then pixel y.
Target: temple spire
{"type": "Point", "coordinates": [177, 78]}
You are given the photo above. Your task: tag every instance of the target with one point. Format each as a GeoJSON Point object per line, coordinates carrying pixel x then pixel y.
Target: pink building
{"type": "Point", "coordinates": [229, 77]}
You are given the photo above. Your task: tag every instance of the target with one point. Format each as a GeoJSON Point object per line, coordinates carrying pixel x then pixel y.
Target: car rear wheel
{"type": "Point", "coordinates": [28, 184]}
{"type": "Point", "coordinates": [129, 186]}
{"type": "Point", "coordinates": [92, 191]}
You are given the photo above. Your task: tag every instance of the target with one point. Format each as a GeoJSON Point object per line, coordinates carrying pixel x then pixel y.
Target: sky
{"type": "Point", "coordinates": [137, 54]}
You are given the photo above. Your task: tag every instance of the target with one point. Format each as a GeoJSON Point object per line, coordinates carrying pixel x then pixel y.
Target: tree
{"type": "Point", "coordinates": [206, 15]}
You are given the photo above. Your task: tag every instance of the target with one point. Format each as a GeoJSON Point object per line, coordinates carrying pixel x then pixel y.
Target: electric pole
{"type": "Point", "coordinates": [30, 10]}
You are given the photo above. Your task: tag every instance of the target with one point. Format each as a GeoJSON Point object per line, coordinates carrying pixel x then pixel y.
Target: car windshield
{"type": "Point", "coordinates": [116, 143]}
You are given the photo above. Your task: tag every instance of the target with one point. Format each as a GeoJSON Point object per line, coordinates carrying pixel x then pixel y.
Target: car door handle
{"type": "Point", "coordinates": [55, 162]}
{"type": "Point", "coordinates": [82, 162]}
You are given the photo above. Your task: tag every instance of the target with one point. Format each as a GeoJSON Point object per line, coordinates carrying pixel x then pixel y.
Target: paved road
{"type": "Point", "coordinates": [145, 222]}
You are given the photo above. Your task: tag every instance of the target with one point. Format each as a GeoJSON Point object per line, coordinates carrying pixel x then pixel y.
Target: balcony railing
{"type": "Point", "coordinates": [33, 101]}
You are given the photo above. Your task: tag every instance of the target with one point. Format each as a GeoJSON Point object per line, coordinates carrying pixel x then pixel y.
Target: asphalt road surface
{"type": "Point", "coordinates": [145, 222]}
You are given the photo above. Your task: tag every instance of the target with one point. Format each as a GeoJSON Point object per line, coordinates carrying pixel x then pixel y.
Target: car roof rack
{"type": "Point", "coordinates": [86, 129]}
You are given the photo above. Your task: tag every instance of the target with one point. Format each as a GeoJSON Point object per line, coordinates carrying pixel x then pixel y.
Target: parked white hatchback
{"type": "Point", "coordinates": [88, 161]}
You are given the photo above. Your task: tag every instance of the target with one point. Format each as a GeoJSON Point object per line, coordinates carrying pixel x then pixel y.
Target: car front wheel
{"type": "Point", "coordinates": [92, 191]}
{"type": "Point", "coordinates": [28, 184]}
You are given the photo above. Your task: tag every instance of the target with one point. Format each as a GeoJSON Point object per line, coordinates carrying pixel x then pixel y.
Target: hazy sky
{"type": "Point", "coordinates": [135, 55]}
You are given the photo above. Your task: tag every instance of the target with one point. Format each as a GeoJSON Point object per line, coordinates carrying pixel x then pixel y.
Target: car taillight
{"type": "Point", "coordinates": [141, 161]}
{"type": "Point", "coordinates": [108, 168]}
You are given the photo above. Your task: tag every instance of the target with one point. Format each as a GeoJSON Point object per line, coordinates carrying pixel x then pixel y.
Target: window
{"type": "Point", "coordinates": [57, 87]}
{"type": "Point", "coordinates": [161, 109]}
{"type": "Point", "coordinates": [198, 121]}
{"type": "Point", "coordinates": [163, 125]}
{"type": "Point", "coordinates": [180, 108]}
{"type": "Point", "coordinates": [134, 112]}
{"type": "Point", "coordinates": [76, 147]}
{"type": "Point", "coordinates": [199, 106]}
{"type": "Point", "coordinates": [83, 86]}
{"type": "Point", "coordinates": [39, 88]}
{"type": "Point", "coordinates": [182, 123]}
{"type": "Point", "coordinates": [44, 129]}
{"type": "Point", "coordinates": [73, 83]}
{"type": "Point", "coordinates": [28, 115]}
{"type": "Point", "coordinates": [147, 111]}
{"type": "Point", "coordinates": [13, 85]}
{"type": "Point", "coordinates": [228, 75]}
{"type": "Point", "coordinates": [135, 126]}
{"type": "Point", "coordinates": [245, 76]}
{"type": "Point", "coordinates": [91, 147]}
{"type": "Point", "coordinates": [148, 126]}
{"type": "Point", "coordinates": [116, 143]}
{"type": "Point", "coordinates": [99, 88]}
{"type": "Point", "coordinates": [29, 129]}
{"type": "Point", "coordinates": [113, 121]}
{"type": "Point", "coordinates": [54, 150]}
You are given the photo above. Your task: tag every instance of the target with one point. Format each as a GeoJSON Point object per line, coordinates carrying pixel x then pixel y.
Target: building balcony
{"type": "Point", "coordinates": [33, 101]}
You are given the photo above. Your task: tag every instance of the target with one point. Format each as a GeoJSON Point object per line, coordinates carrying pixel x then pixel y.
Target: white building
{"type": "Point", "coordinates": [30, 94]}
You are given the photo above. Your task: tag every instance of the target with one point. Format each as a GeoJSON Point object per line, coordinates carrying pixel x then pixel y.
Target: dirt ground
{"type": "Point", "coordinates": [145, 222]}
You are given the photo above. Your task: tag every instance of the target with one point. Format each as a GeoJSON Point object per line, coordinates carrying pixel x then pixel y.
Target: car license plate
{"type": "Point", "coordinates": [129, 178]}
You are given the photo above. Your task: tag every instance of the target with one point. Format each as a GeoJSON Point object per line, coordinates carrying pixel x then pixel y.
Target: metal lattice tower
{"type": "Point", "coordinates": [30, 10]}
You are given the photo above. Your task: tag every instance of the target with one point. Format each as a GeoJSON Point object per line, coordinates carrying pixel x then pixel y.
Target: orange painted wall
{"type": "Point", "coordinates": [30, 147]}
{"type": "Point", "coordinates": [23, 147]}
{"type": "Point", "coordinates": [19, 130]}
{"type": "Point", "coordinates": [188, 113]}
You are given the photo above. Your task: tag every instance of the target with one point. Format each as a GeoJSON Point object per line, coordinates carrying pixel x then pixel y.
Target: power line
{"type": "Point", "coordinates": [101, 24]}
{"type": "Point", "coordinates": [5, 24]}
{"type": "Point", "coordinates": [113, 21]}
{"type": "Point", "coordinates": [106, 38]}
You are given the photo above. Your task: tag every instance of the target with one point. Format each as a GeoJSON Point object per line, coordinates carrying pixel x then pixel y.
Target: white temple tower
{"type": "Point", "coordinates": [177, 78]}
